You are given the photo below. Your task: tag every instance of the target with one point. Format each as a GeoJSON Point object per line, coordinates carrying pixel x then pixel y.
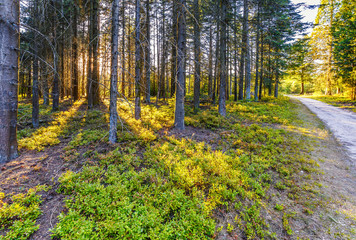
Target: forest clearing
{"type": "Point", "coordinates": [177, 119]}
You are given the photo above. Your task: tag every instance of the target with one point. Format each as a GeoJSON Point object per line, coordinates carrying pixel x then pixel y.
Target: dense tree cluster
{"type": "Point", "coordinates": [199, 50]}
{"type": "Point", "coordinates": [333, 47]}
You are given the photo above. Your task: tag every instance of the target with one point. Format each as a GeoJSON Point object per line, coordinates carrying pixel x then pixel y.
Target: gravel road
{"type": "Point", "coordinates": [342, 123]}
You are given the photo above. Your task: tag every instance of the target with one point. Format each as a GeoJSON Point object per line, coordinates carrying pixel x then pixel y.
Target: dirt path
{"type": "Point", "coordinates": [342, 123]}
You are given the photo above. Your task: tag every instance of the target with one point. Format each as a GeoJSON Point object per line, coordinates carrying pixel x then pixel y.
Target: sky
{"type": "Point", "coordinates": [309, 14]}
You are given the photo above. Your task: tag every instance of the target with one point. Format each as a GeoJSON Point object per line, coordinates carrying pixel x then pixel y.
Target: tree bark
{"type": "Point", "coordinates": [179, 109]}
{"type": "Point", "coordinates": [137, 62]}
{"type": "Point", "coordinates": [257, 53]}
{"type": "Point", "coordinates": [9, 66]}
{"type": "Point", "coordinates": [196, 55]}
{"type": "Point", "coordinates": [174, 48]}
{"type": "Point", "coordinates": [210, 74]}
{"type": "Point", "coordinates": [148, 53]}
{"type": "Point", "coordinates": [223, 73]}
{"type": "Point", "coordinates": [114, 66]}
{"type": "Point", "coordinates": [75, 75]}
{"type": "Point", "coordinates": [247, 53]}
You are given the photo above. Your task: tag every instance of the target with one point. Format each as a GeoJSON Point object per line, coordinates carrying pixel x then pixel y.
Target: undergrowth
{"type": "Point", "coordinates": [154, 185]}
{"type": "Point", "coordinates": [19, 213]}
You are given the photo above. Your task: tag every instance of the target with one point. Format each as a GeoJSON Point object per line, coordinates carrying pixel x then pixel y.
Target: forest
{"type": "Point", "coordinates": [175, 119]}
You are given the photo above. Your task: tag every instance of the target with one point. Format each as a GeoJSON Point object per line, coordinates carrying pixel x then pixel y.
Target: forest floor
{"type": "Point", "coordinates": [268, 170]}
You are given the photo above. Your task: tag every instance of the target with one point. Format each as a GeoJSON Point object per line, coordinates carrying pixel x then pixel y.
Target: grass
{"type": "Point", "coordinates": [153, 185]}
{"type": "Point", "coordinates": [338, 101]}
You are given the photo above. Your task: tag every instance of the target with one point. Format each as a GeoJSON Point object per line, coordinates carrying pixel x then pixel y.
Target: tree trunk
{"type": "Point", "coordinates": [330, 52]}
{"type": "Point", "coordinates": [9, 62]}
{"type": "Point", "coordinates": [93, 73]}
{"type": "Point", "coordinates": [261, 72]}
{"type": "Point", "coordinates": [123, 50]}
{"type": "Point", "coordinates": [216, 67]}
{"type": "Point", "coordinates": [210, 74]}
{"type": "Point", "coordinates": [179, 109]}
{"type": "Point", "coordinates": [247, 53]}
{"type": "Point", "coordinates": [75, 75]}
{"type": "Point", "coordinates": [148, 53]}
{"type": "Point", "coordinates": [35, 97]}
{"type": "Point", "coordinates": [174, 48]}
{"type": "Point", "coordinates": [257, 52]}
{"type": "Point", "coordinates": [137, 62]}
{"type": "Point", "coordinates": [196, 55]}
{"type": "Point", "coordinates": [223, 73]}
{"type": "Point", "coordinates": [114, 66]}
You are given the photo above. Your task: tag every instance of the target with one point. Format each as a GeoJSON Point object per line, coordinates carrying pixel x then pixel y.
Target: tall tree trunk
{"type": "Point", "coordinates": [261, 72]}
{"type": "Point", "coordinates": [75, 75]}
{"type": "Point", "coordinates": [210, 70]}
{"type": "Point", "coordinates": [114, 66]}
{"type": "Point", "coordinates": [174, 48]}
{"type": "Point", "coordinates": [95, 77]}
{"type": "Point", "coordinates": [216, 67]}
{"type": "Point", "coordinates": [55, 88]}
{"type": "Point", "coordinates": [179, 109]}
{"type": "Point", "coordinates": [223, 73]}
{"type": "Point", "coordinates": [93, 73]}
{"type": "Point", "coordinates": [148, 53]}
{"type": "Point", "coordinates": [247, 53]}
{"type": "Point", "coordinates": [243, 51]}
{"type": "Point", "coordinates": [196, 55]}
{"type": "Point", "coordinates": [257, 52]}
{"type": "Point", "coordinates": [35, 97]}
{"type": "Point", "coordinates": [9, 66]}
{"type": "Point", "coordinates": [162, 87]}
{"type": "Point", "coordinates": [123, 50]}
{"type": "Point", "coordinates": [137, 61]}
{"type": "Point", "coordinates": [330, 50]}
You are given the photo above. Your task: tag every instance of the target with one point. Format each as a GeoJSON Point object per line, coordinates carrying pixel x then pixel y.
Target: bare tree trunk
{"type": "Point", "coordinates": [35, 95]}
{"type": "Point", "coordinates": [261, 72]}
{"type": "Point", "coordinates": [137, 62]}
{"type": "Point", "coordinates": [247, 53]}
{"type": "Point", "coordinates": [216, 67]}
{"type": "Point", "coordinates": [179, 110]}
{"type": "Point", "coordinates": [330, 52]}
{"type": "Point", "coordinates": [148, 53]}
{"type": "Point", "coordinates": [114, 66]}
{"type": "Point", "coordinates": [174, 48]}
{"type": "Point", "coordinates": [162, 88]}
{"type": "Point", "coordinates": [223, 73]}
{"type": "Point", "coordinates": [210, 74]}
{"type": "Point", "coordinates": [196, 55]}
{"type": "Point", "coordinates": [9, 63]}
{"type": "Point", "coordinates": [75, 75]}
{"type": "Point", "coordinates": [123, 70]}
{"type": "Point", "coordinates": [93, 73]}
{"type": "Point", "coordinates": [257, 52]}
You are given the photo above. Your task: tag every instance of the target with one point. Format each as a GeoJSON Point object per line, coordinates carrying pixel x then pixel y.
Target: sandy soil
{"type": "Point", "coordinates": [342, 123]}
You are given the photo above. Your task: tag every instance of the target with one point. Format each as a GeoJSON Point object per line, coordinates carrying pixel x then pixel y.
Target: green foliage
{"type": "Point", "coordinates": [19, 216]}
{"type": "Point", "coordinates": [122, 203]}
{"type": "Point", "coordinates": [171, 190]}
{"type": "Point", "coordinates": [344, 34]}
